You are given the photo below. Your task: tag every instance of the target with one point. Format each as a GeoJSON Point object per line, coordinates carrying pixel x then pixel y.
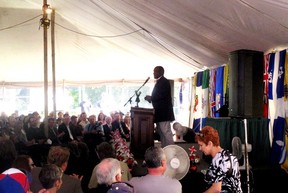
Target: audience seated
{"type": "Point", "coordinates": [127, 121]}
{"type": "Point", "coordinates": [59, 156]}
{"type": "Point", "coordinates": [34, 133]}
{"type": "Point", "coordinates": [107, 127]}
{"type": "Point", "coordinates": [65, 131]}
{"type": "Point", "coordinates": [93, 133]}
{"type": "Point", "coordinates": [82, 122]}
{"type": "Point", "coordinates": [155, 181]}
{"type": "Point", "coordinates": [76, 129]}
{"type": "Point", "coordinates": [101, 118]}
{"type": "Point", "coordinates": [118, 124]}
{"type": "Point", "coordinates": [106, 150]}
{"type": "Point", "coordinates": [53, 134]}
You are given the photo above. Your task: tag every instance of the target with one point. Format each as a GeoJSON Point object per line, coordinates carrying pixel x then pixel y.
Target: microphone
{"type": "Point", "coordinates": [146, 80]}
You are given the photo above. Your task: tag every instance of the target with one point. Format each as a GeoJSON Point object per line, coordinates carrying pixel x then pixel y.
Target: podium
{"type": "Point", "coordinates": [142, 130]}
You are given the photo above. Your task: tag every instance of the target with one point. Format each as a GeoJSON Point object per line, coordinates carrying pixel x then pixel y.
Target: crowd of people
{"type": "Point", "coordinates": [80, 135]}
{"type": "Point", "coordinates": [79, 154]}
{"type": "Point", "coordinates": [69, 166]}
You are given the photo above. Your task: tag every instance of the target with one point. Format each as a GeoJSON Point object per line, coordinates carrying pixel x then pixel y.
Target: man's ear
{"type": "Point", "coordinates": [118, 177]}
{"type": "Point", "coordinates": [58, 184]}
{"type": "Point", "coordinates": [163, 163]}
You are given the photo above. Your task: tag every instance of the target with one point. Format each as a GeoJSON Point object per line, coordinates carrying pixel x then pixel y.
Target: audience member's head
{"type": "Point", "coordinates": [8, 154]}
{"type": "Point", "coordinates": [155, 160]}
{"type": "Point", "coordinates": [66, 119]}
{"type": "Point", "coordinates": [179, 129]}
{"type": "Point", "coordinates": [154, 156]}
{"type": "Point", "coordinates": [12, 180]}
{"type": "Point", "coordinates": [105, 150]}
{"type": "Point", "coordinates": [50, 177]}
{"type": "Point", "coordinates": [74, 119]}
{"type": "Point", "coordinates": [108, 120]}
{"type": "Point", "coordinates": [208, 134]}
{"type": "Point", "coordinates": [24, 162]}
{"type": "Point", "coordinates": [59, 156]}
{"type": "Point", "coordinates": [108, 171]}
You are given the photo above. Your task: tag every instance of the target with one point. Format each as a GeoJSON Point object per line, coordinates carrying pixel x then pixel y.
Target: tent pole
{"type": "Point", "coordinates": [45, 28]}
{"type": "Point", "coordinates": [53, 60]}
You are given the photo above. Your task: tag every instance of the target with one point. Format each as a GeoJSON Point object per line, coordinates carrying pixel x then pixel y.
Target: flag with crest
{"type": "Point", "coordinates": [276, 111]}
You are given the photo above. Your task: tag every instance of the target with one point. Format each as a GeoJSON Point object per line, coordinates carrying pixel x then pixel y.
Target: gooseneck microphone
{"type": "Point", "coordinates": [146, 80]}
{"type": "Point", "coordinates": [137, 93]}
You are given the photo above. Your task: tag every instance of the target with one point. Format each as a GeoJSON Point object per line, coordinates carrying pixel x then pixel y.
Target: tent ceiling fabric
{"type": "Point", "coordinates": [100, 40]}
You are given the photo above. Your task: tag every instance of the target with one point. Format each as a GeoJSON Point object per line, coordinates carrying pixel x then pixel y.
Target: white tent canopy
{"type": "Point", "coordinates": [112, 40]}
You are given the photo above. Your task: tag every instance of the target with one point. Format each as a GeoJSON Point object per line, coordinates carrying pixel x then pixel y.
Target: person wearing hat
{"type": "Point", "coordinates": [12, 180]}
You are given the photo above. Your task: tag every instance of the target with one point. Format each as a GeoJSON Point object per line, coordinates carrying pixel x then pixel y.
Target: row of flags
{"type": "Point", "coordinates": [208, 95]}
{"type": "Point", "coordinates": [210, 91]}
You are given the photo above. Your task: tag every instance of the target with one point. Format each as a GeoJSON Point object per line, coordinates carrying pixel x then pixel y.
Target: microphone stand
{"type": "Point", "coordinates": [137, 93]}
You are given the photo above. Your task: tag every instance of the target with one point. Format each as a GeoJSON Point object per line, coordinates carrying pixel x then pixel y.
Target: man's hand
{"type": "Point", "coordinates": [77, 176]}
{"type": "Point", "coordinates": [148, 98]}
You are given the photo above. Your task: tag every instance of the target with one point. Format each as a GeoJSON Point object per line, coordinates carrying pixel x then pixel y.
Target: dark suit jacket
{"type": "Point", "coordinates": [65, 139]}
{"type": "Point", "coordinates": [107, 132]}
{"type": "Point", "coordinates": [162, 101]}
{"type": "Point", "coordinates": [70, 184]}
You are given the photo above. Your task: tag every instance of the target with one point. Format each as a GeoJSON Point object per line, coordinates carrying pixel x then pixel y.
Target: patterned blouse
{"type": "Point", "coordinates": [225, 168]}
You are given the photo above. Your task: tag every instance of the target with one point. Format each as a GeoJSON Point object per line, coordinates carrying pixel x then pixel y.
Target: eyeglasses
{"type": "Point", "coordinates": [121, 172]}
{"type": "Point", "coordinates": [200, 134]}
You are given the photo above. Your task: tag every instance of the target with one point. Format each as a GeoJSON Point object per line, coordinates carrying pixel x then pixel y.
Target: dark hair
{"type": "Point", "coordinates": [154, 156]}
{"type": "Point", "coordinates": [51, 119]}
{"type": "Point", "coordinates": [49, 174]}
{"type": "Point", "coordinates": [8, 154]}
{"type": "Point", "coordinates": [105, 150]}
{"type": "Point", "coordinates": [22, 162]}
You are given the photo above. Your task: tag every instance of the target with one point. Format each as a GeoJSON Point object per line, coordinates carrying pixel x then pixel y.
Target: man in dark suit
{"type": "Point", "coordinates": [65, 131]}
{"type": "Point", "coordinates": [162, 103]}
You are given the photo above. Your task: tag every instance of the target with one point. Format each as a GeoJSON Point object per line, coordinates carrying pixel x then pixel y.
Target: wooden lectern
{"type": "Point", "coordinates": [142, 131]}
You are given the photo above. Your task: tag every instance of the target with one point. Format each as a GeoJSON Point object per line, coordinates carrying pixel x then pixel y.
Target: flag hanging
{"type": "Point", "coordinates": [276, 113]}
{"type": "Point", "coordinates": [265, 89]}
{"type": "Point", "coordinates": [197, 109]}
{"type": "Point", "coordinates": [205, 97]}
{"type": "Point", "coordinates": [212, 85]}
{"type": "Point", "coordinates": [219, 90]}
